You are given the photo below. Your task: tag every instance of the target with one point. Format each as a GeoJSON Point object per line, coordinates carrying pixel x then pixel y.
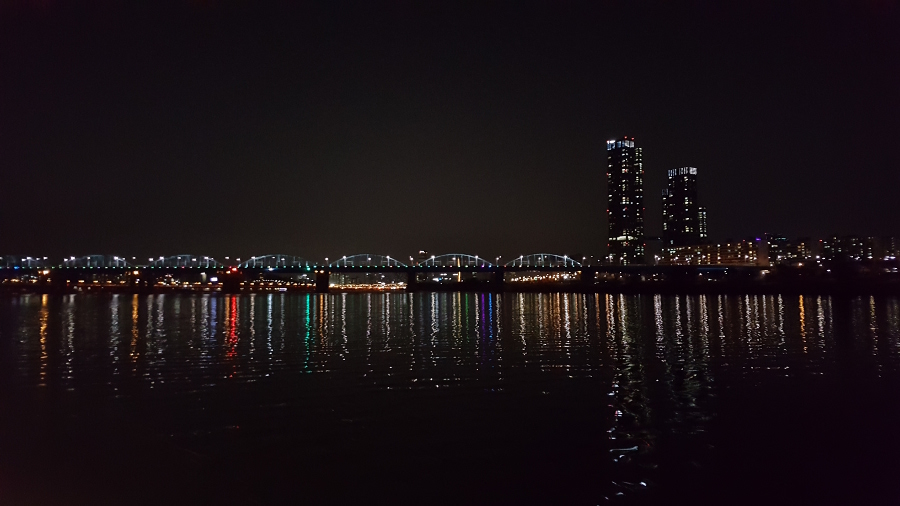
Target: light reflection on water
{"type": "Point", "coordinates": [654, 364]}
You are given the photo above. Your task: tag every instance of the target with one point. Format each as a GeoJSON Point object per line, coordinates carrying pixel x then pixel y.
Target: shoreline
{"type": "Point", "coordinates": [646, 288]}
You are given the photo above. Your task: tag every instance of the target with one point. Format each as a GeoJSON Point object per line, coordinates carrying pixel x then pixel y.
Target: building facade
{"type": "Point", "coordinates": [684, 221]}
{"type": "Point", "coordinates": [778, 249]}
{"type": "Point", "coordinates": [728, 253]}
{"type": "Point", "coordinates": [842, 248]}
{"type": "Point", "coordinates": [625, 204]}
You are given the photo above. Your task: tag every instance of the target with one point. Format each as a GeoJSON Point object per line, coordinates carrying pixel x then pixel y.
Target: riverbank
{"type": "Point", "coordinates": [872, 286]}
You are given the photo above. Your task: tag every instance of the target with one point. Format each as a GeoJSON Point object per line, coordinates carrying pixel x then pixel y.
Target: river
{"type": "Point", "coordinates": [449, 398]}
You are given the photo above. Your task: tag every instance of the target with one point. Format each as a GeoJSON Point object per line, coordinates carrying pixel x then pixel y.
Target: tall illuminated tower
{"type": "Point", "coordinates": [684, 221]}
{"type": "Point", "coordinates": [625, 205]}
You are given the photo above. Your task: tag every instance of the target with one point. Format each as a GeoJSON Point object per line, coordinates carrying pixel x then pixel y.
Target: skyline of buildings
{"type": "Point", "coordinates": [685, 234]}
{"type": "Point", "coordinates": [776, 249]}
{"type": "Point", "coordinates": [684, 220]}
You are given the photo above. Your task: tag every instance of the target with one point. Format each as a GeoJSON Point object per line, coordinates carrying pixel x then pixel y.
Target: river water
{"type": "Point", "coordinates": [449, 398]}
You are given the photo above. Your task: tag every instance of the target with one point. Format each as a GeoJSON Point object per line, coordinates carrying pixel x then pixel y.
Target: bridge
{"type": "Point", "coordinates": [485, 272]}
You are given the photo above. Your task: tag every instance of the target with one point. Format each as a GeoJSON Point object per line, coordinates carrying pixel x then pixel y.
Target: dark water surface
{"type": "Point", "coordinates": [449, 398]}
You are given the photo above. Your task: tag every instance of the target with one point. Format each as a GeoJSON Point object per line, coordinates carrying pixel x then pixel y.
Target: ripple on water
{"type": "Point", "coordinates": [610, 395]}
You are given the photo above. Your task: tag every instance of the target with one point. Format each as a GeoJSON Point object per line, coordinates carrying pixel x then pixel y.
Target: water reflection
{"type": "Point", "coordinates": [420, 332]}
{"type": "Point", "coordinates": [653, 364]}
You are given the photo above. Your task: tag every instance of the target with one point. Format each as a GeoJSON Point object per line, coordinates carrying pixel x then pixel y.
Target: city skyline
{"type": "Point", "coordinates": [684, 232]}
{"type": "Point", "coordinates": [768, 249]}
{"type": "Point", "coordinates": [454, 252]}
{"type": "Point", "coordinates": [172, 129]}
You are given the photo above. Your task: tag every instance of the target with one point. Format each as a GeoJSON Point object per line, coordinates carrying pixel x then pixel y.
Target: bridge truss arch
{"type": "Point", "coordinates": [193, 261]}
{"type": "Point", "coordinates": [455, 260]}
{"type": "Point", "coordinates": [18, 261]}
{"type": "Point", "coordinates": [367, 260]}
{"type": "Point", "coordinates": [96, 261]}
{"type": "Point", "coordinates": [274, 261]}
{"type": "Point", "coordinates": [543, 260]}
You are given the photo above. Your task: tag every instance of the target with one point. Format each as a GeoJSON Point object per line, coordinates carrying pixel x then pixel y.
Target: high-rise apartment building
{"type": "Point", "coordinates": [684, 220]}
{"type": "Point", "coordinates": [704, 235]}
{"type": "Point", "coordinates": [625, 204]}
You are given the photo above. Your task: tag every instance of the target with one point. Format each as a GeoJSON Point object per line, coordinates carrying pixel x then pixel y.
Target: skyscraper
{"type": "Point", "coordinates": [625, 205]}
{"type": "Point", "coordinates": [684, 221]}
{"type": "Point", "coordinates": [704, 235]}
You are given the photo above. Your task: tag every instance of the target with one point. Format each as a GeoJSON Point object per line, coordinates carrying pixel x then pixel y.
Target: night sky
{"type": "Point", "coordinates": [226, 129]}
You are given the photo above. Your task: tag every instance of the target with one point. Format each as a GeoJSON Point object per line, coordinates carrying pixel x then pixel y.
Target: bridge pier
{"type": "Point", "coordinates": [323, 278]}
{"type": "Point", "coordinates": [588, 278]}
{"type": "Point", "coordinates": [231, 282]}
{"type": "Point", "coordinates": [412, 280]}
{"type": "Point", "coordinates": [135, 280]}
{"type": "Point", "coordinates": [59, 281]}
{"type": "Point", "coordinates": [498, 280]}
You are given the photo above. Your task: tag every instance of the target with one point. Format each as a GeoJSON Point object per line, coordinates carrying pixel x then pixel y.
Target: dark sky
{"type": "Point", "coordinates": [226, 129]}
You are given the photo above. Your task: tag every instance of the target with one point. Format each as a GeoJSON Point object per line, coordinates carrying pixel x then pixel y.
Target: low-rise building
{"type": "Point", "coordinates": [744, 252]}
